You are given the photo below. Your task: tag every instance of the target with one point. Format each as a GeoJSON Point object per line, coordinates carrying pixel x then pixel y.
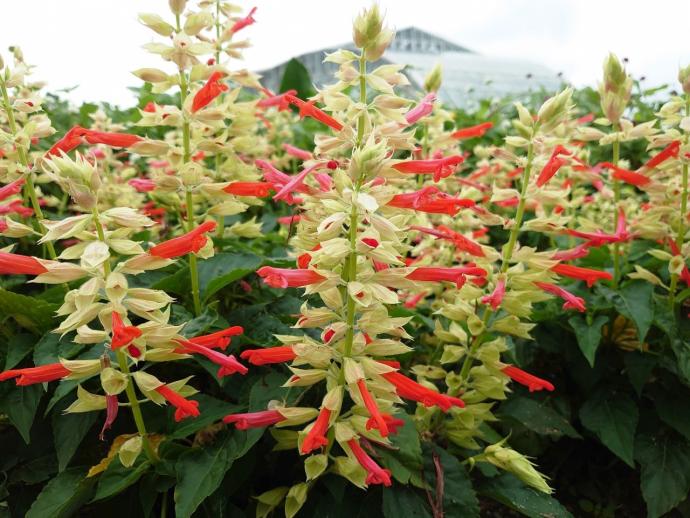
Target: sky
{"type": "Point", "coordinates": [95, 44]}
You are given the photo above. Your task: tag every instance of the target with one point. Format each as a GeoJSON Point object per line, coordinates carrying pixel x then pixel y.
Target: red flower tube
{"type": "Point", "coordinates": [574, 253]}
{"type": "Point", "coordinates": [460, 241]}
{"type": "Point", "coordinates": [409, 389]}
{"type": "Point", "coordinates": [375, 473]}
{"type": "Point", "coordinates": [472, 131]}
{"type": "Point", "coordinates": [15, 264]}
{"type": "Point", "coordinates": [439, 167]}
{"type": "Point", "coordinates": [412, 302]}
{"type": "Point", "coordinates": [111, 408]}
{"type": "Point", "coordinates": [122, 334]}
{"type": "Point", "coordinates": [228, 364]}
{"type": "Point", "coordinates": [188, 243]}
{"type": "Point", "coordinates": [211, 89]}
{"type": "Point", "coordinates": [526, 379]}
{"type": "Point", "coordinates": [316, 437]}
{"type": "Point", "coordinates": [627, 176]}
{"type": "Point", "coordinates": [376, 420]}
{"type": "Point", "coordinates": [436, 274]}
{"type": "Point", "coordinates": [496, 298]}
{"type": "Point", "coordinates": [142, 184]}
{"type": "Point", "coordinates": [424, 108]}
{"type": "Point", "coordinates": [553, 165]}
{"type": "Point", "coordinates": [184, 407]}
{"type": "Point", "coordinates": [280, 100]}
{"type": "Point", "coordinates": [307, 109]}
{"type": "Point", "coordinates": [254, 419]}
{"type": "Point", "coordinates": [219, 339]}
{"type": "Point", "coordinates": [269, 355]}
{"type": "Point", "coordinates": [16, 207]}
{"type": "Point", "coordinates": [33, 375]}
{"type": "Point", "coordinates": [571, 301]}
{"type": "Point", "coordinates": [70, 140]}
{"type": "Point", "coordinates": [297, 152]}
{"type": "Point", "coordinates": [257, 189]}
{"type": "Point", "coordinates": [12, 188]}
{"type": "Point", "coordinates": [244, 22]}
{"type": "Point", "coordinates": [288, 277]}
{"type": "Point", "coordinates": [111, 139]}
{"type": "Point", "coordinates": [670, 151]}
{"type": "Point", "coordinates": [588, 275]}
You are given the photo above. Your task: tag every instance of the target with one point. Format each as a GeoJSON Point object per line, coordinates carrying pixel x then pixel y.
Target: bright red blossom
{"type": "Point", "coordinates": [289, 277]}
{"type": "Point", "coordinates": [526, 379]}
{"type": "Point", "coordinates": [269, 355]}
{"type": "Point", "coordinates": [122, 334]}
{"type": "Point", "coordinates": [496, 298]}
{"type": "Point", "coordinates": [188, 243]}
{"type": "Point", "coordinates": [375, 473]}
{"type": "Point", "coordinates": [472, 131]}
{"type": "Point", "coordinates": [670, 151]}
{"type": "Point", "coordinates": [571, 301]}
{"type": "Point", "coordinates": [257, 189]}
{"type": "Point", "coordinates": [254, 419]}
{"type": "Point", "coordinates": [627, 176]}
{"type": "Point", "coordinates": [436, 274]}
{"type": "Point", "coordinates": [211, 89]}
{"type": "Point", "coordinates": [33, 375]}
{"type": "Point", "coordinates": [228, 364]}
{"type": "Point", "coordinates": [588, 275]}
{"type": "Point", "coordinates": [244, 22]}
{"type": "Point", "coordinates": [184, 407]}
{"type": "Point", "coordinates": [376, 420]}
{"type": "Point", "coordinates": [12, 188]}
{"type": "Point", "coordinates": [409, 389]}
{"type": "Point", "coordinates": [308, 109]}
{"type": "Point", "coordinates": [219, 339]}
{"type": "Point", "coordinates": [316, 437]}
{"type": "Point", "coordinates": [554, 163]}
{"type": "Point", "coordinates": [439, 167]}
{"type": "Point", "coordinates": [15, 264]}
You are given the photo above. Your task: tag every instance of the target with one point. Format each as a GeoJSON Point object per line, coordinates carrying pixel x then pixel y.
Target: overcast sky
{"type": "Point", "coordinates": [96, 43]}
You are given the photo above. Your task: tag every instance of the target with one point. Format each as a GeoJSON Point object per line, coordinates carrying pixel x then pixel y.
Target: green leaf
{"type": "Point", "coordinates": [50, 348]}
{"type": "Point", "coordinates": [116, 478]}
{"type": "Point", "coordinates": [31, 313]}
{"type": "Point", "coordinates": [69, 431]}
{"type": "Point", "coordinates": [200, 471]}
{"type": "Point", "coordinates": [612, 416]}
{"type": "Point", "coordinates": [18, 347]}
{"type": "Point", "coordinates": [63, 495]}
{"type": "Point", "coordinates": [459, 497]}
{"type": "Point", "coordinates": [634, 301]}
{"type": "Point", "coordinates": [296, 77]}
{"type": "Point", "coordinates": [639, 367]}
{"type": "Point", "coordinates": [405, 461]}
{"type": "Point", "coordinates": [538, 417]}
{"type": "Point", "coordinates": [401, 501]}
{"type": "Point", "coordinates": [670, 406]}
{"type": "Point", "coordinates": [511, 492]}
{"type": "Point", "coordinates": [665, 475]}
{"type": "Point", "coordinates": [588, 336]}
{"type": "Point", "coordinates": [222, 269]}
{"type": "Point", "coordinates": [20, 405]}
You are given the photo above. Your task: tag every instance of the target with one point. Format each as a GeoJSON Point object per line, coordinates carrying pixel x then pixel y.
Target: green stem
{"type": "Point", "coordinates": [189, 197]}
{"type": "Point", "coordinates": [122, 362]}
{"type": "Point", "coordinates": [505, 258]}
{"type": "Point", "coordinates": [617, 199]}
{"type": "Point", "coordinates": [680, 236]}
{"type": "Point", "coordinates": [350, 273]}
{"type": "Point", "coordinates": [24, 160]}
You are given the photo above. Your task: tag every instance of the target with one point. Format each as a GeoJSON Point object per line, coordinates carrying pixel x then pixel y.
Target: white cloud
{"type": "Point", "coordinates": [96, 44]}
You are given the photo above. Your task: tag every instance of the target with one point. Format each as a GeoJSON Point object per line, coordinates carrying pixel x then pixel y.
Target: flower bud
{"type": "Point", "coordinates": [683, 77]}
{"type": "Point", "coordinates": [151, 75]}
{"type": "Point", "coordinates": [196, 22]}
{"type": "Point", "coordinates": [130, 450]}
{"type": "Point", "coordinates": [177, 6]}
{"type": "Point", "coordinates": [156, 24]}
{"type": "Point", "coordinates": [369, 34]}
{"type": "Point", "coordinates": [113, 381]}
{"type": "Point", "coordinates": [432, 82]}
{"type": "Point", "coordinates": [614, 91]}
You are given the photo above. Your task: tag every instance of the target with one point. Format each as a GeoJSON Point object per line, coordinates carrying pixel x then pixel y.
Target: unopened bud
{"type": "Point", "coordinates": [156, 24]}
{"type": "Point", "coordinates": [177, 6]}
{"type": "Point", "coordinates": [432, 82]}
{"type": "Point", "coordinates": [683, 77]}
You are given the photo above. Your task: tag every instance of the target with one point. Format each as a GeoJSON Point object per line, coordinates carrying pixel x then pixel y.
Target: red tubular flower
{"type": "Point", "coordinates": [316, 437]}
{"type": "Point", "coordinates": [228, 364]}
{"type": "Point", "coordinates": [72, 139]}
{"type": "Point", "coordinates": [272, 99]}
{"type": "Point", "coordinates": [212, 89]}
{"type": "Point", "coordinates": [460, 241]}
{"type": "Point", "coordinates": [669, 151]}
{"type": "Point", "coordinates": [16, 207]}
{"type": "Point", "coordinates": [288, 277]}
{"type": "Point", "coordinates": [588, 275]}
{"type": "Point", "coordinates": [526, 379]}
{"type": "Point", "coordinates": [296, 183]}
{"type": "Point", "coordinates": [375, 473]}
{"type": "Point", "coordinates": [424, 108]}
{"type": "Point", "coordinates": [439, 167]}
{"type": "Point", "coordinates": [219, 339]}
{"type": "Point", "coordinates": [627, 176]}
{"type": "Point", "coordinates": [254, 419]}
{"type": "Point", "coordinates": [188, 243]}
{"type": "Point", "coordinates": [430, 200]}
{"type": "Point", "coordinates": [15, 264]}
{"type": "Point", "coordinates": [257, 189]}
{"type": "Point", "coordinates": [111, 407]}
{"type": "Point", "coordinates": [574, 253]}
{"type": "Point", "coordinates": [289, 220]}
{"type": "Point", "coordinates": [297, 152]}
{"type": "Point", "coordinates": [685, 273]}
{"type": "Point", "coordinates": [307, 109]}
{"type": "Point", "coordinates": [244, 22]}
{"type": "Point", "coordinates": [436, 274]}
{"type": "Point", "coordinates": [12, 188]}
{"type": "Point", "coordinates": [111, 139]}
{"type": "Point", "coordinates": [571, 301]}
{"type": "Point", "coordinates": [150, 107]}
{"type": "Point", "coordinates": [33, 375]}
{"type": "Point", "coordinates": [412, 302]}
{"type": "Point", "coordinates": [409, 389]}
{"type": "Point", "coordinates": [269, 355]}
{"type": "Point", "coordinates": [496, 298]}
{"type": "Point", "coordinates": [142, 184]}
{"type": "Point", "coordinates": [184, 407]}
{"type": "Point", "coordinates": [376, 420]}
{"type": "Point", "coordinates": [122, 334]}
{"type": "Point", "coordinates": [472, 131]}
{"type": "Point", "coordinates": [553, 165]}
